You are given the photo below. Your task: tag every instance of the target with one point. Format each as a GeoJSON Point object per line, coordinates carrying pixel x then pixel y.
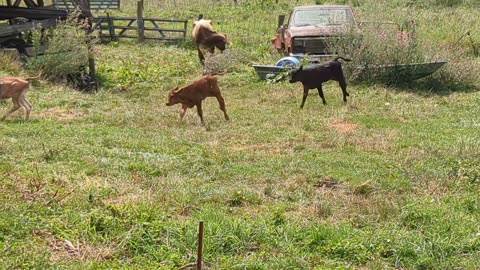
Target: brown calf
{"type": "Point", "coordinates": [205, 38]}
{"type": "Point", "coordinates": [194, 93]}
{"type": "Point", "coordinates": [16, 88]}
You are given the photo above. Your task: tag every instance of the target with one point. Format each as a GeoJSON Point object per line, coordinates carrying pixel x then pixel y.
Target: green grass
{"type": "Point", "coordinates": [388, 181]}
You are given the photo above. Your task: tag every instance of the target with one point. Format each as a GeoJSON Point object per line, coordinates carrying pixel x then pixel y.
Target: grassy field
{"type": "Point", "coordinates": [114, 180]}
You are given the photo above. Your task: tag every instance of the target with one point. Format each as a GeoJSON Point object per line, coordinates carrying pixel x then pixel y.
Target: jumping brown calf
{"type": "Point", "coordinates": [194, 93]}
{"type": "Point", "coordinates": [205, 38]}
{"type": "Point", "coordinates": [16, 88]}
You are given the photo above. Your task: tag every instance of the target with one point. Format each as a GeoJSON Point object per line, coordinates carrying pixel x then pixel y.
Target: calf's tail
{"type": "Point", "coordinates": [36, 77]}
{"type": "Point", "coordinates": [344, 59]}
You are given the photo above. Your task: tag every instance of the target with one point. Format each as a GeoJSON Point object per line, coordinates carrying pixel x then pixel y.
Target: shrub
{"type": "Point", "coordinates": [10, 62]}
{"type": "Point", "coordinates": [68, 48]}
{"type": "Point", "coordinates": [376, 46]}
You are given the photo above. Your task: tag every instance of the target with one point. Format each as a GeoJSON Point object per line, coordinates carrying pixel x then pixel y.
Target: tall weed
{"type": "Point", "coordinates": [10, 63]}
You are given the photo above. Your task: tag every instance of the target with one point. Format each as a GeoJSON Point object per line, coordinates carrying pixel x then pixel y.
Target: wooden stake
{"type": "Point", "coordinates": [91, 59]}
{"type": "Point", "coordinates": [140, 22]}
{"type": "Point", "coordinates": [200, 245]}
{"type": "Point", "coordinates": [111, 28]}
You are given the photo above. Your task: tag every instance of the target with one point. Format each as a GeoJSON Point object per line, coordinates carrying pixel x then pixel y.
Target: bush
{"type": "Point", "coordinates": [68, 49]}
{"type": "Point", "coordinates": [375, 46]}
{"type": "Point", "coordinates": [10, 62]}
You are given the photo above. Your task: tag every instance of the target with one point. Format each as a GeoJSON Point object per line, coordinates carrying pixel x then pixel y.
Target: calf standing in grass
{"type": "Point", "coordinates": [194, 93]}
{"type": "Point", "coordinates": [313, 77]}
{"type": "Point", "coordinates": [16, 88]}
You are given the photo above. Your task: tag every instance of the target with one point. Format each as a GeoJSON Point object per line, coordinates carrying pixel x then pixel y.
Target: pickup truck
{"type": "Point", "coordinates": [309, 28]}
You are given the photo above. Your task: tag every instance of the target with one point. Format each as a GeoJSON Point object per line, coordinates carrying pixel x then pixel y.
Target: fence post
{"type": "Point", "coordinates": [111, 28]}
{"type": "Point", "coordinates": [200, 245]}
{"type": "Point", "coordinates": [91, 59]}
{"type": "Point", "coordinates": [140, 22]}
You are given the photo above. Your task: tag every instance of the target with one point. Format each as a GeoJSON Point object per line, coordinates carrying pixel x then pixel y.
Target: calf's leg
{"type": "Point", "coordinates": [305, 94]}
{"type": "Point", "coordinates": [184, 110]}
{"type": "Point", "coordinates": [221, 101]}
{"type": "Point", "coordinates": [16, 106]}
{"type": "Point", "coordinates": [201, 57]}
{"type": "Point", "coordinates": [343, 85]}
{"type": "Point", "coordinates": [211, 50]}
{"type": "Point", "coordinates": [28, 107]}
{"type": "Point", "coordinates": [320, 93]}
{"type": "Point", "coordinates": [200, 112]}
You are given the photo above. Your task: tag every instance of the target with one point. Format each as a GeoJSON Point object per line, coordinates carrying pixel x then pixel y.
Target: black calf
{"type": "Point", "coordinates": [313, 77]}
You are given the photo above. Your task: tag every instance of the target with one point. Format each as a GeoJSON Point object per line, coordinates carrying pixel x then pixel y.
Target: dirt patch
{"type": "Point", "coordinates": [328, 183]}
{"type": "Point", "coordinates": [60, 114]}
{"type": "Point", "coordinates": [343, 125]}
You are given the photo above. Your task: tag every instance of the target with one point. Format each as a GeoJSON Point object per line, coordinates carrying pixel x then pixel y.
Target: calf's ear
{"type": "Point", "coordinates": [301, 67]}
{"type": "Point", "coordinates": [227, 40]}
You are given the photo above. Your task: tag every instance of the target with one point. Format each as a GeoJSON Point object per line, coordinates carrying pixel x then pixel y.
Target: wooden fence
{"type": "Point", "coordinates": [94, 4]}
{"type": "Point", "coordinates": [112, 28]}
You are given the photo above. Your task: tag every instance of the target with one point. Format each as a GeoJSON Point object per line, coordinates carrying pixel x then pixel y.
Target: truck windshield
{"type": "Point", "coordinates": [326, 16]}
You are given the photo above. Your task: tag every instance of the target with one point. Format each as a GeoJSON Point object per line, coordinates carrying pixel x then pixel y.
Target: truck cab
{"type": "Point", "coordinates": [309, 29]}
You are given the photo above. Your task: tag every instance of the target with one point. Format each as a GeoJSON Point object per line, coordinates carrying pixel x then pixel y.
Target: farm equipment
{"type": "Point", "coordinates": [18, 20]}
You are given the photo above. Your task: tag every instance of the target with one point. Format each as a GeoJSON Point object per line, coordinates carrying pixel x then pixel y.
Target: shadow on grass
{"type": "Point", "coordinates": [428, 86]}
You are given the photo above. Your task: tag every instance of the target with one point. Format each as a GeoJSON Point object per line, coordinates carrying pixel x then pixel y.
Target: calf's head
{"type": "Point", "coordinates": [174, 96]}
{"type": "Point", "coordinates": [296, 75]}
{"type": "Point", "coordinates": [219, 40]}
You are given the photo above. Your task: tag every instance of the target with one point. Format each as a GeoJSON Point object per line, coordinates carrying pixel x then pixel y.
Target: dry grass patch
{"type": "Point", "coordinates": [49, 191]}
{"type": "Point", "coordinates": [375, 141]}
{"type": "Point", "coordinates": [265, 148]}
{"type": "Point", "coordinates": [125, 192]}
{"type": "Point", "coordinates": [61, 114]}
{"type": "Point", "coordinates": [343, 125]}
{"type": "Point", "coordinates": [428, 186]}
{"type": "Point", "coordinates": [64, 250]}
{"type": "Point", "coordinates": [129, 197]}
{"type": "Point", "coordinates": [334, 201]}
